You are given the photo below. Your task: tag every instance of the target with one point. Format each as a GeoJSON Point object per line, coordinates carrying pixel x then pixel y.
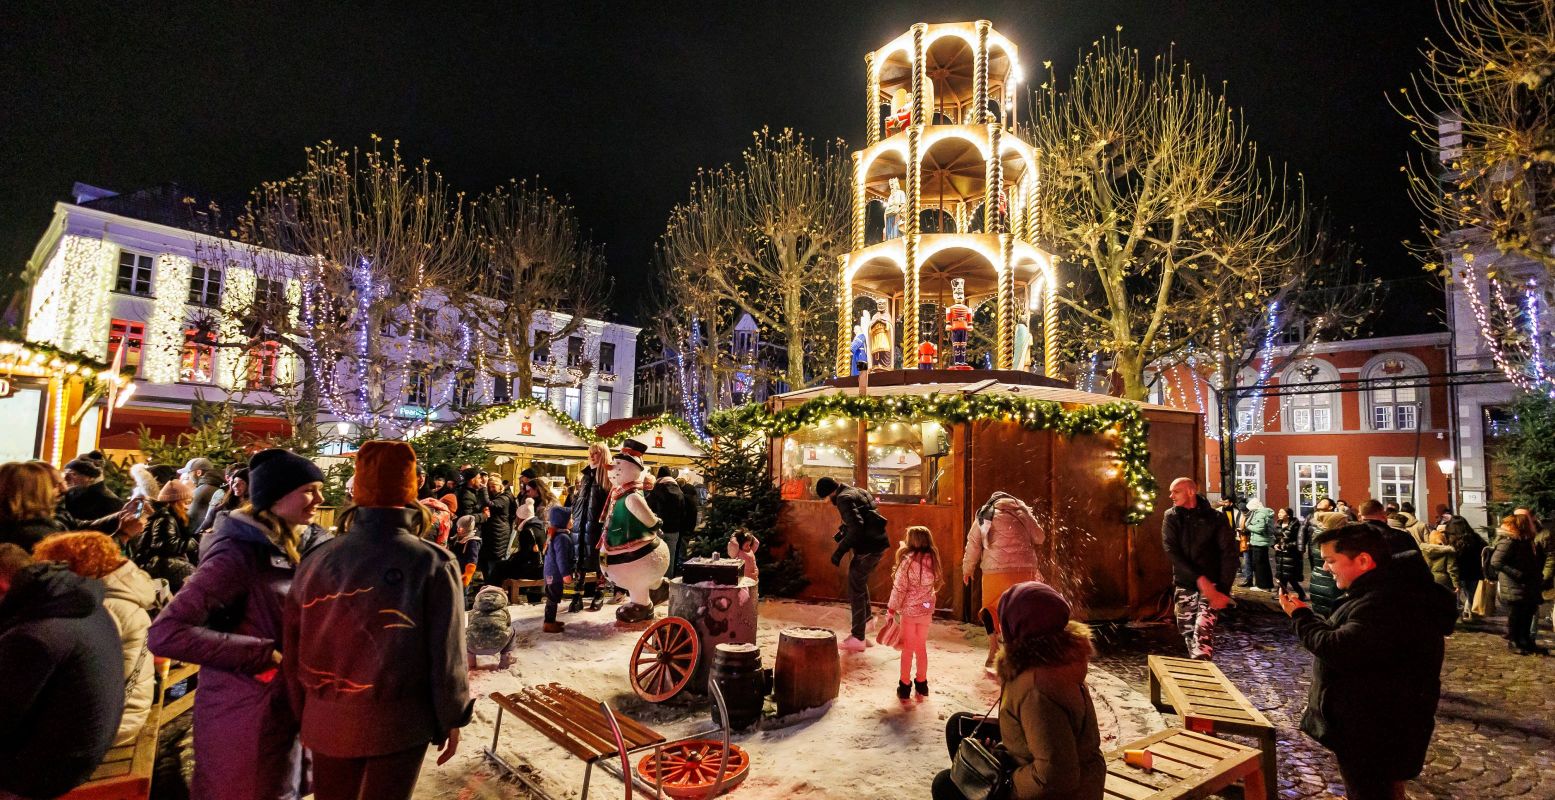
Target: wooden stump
{"type": "Point", "coordinates": [808, 672]}
{"type": "Point", "coordinates": [720, 615]}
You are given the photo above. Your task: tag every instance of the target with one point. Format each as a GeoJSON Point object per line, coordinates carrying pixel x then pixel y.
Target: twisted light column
{"type": "Point", "coordinates": [872, 113]}
{"type": "Point", "coordinates": [910, 303]}
{"type": "Point", "coordinates": [980, 73]}
{"type": "Point", "coordinates": [1005, 359]}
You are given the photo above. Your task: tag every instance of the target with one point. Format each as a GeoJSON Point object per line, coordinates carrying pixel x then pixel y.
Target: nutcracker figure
{"type": "Point", "coordinates": [958, 320]}
{"type": "Point", "coordinates": [880, 342]}
{"type": "Point", "coordinates": [926, 354]}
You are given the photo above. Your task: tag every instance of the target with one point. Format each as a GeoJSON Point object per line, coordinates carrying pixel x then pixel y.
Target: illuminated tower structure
{"type": "Point", "coordinates": [940, 101]}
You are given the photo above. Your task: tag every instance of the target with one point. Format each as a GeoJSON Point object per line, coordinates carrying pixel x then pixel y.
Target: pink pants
{"type": "Point", "coordinates": [915, 643]}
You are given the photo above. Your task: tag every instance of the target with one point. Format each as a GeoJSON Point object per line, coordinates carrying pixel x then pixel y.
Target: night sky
{"type": "Point", "coordinates": [617, 104]}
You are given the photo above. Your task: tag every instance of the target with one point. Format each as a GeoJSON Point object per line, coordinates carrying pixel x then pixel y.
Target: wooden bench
{"type": "Point", "coordinates": [515, 586]}
{"type": "Point", "coordinates": [586, 728]}
{"type": "Point", "coordinates": [1184, 766]}
{"type": "Point", "coordinates": [177, 673]}
{"type": "Point", "coordinates": [1207, 702]}
{"type": "Point", "coordinates": [125, 771]}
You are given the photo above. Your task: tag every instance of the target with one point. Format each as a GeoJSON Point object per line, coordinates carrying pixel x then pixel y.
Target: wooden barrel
{"type": "Point", "coordinates": [736, 669]}
{"type": "Point", "coordinates": [808, 672]}
{"type": "Point", "coordinates": [720, 615]}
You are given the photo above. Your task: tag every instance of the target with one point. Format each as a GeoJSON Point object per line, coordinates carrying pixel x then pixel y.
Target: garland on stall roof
{"type": "Point", "coordinates": [473, 420]}
{"type": "Point", "coordinates": [1126, 419]}
{"type": "Point", "coordinates": [656, 422]}
{"type": "Point", "coordinates": [16, 350]}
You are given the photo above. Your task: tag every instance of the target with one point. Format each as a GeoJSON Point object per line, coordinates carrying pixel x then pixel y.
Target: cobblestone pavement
{"type": "Point", "coordinates": [1495, 726]}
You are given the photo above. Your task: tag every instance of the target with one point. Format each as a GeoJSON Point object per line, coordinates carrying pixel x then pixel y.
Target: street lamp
{"type": "Point", "coordinates": [1448, 466]}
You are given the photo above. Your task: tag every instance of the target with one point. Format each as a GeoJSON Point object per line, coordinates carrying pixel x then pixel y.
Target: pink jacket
{"type": "Point", "coordinates": [1007, 542]}
{"type": "Point", "coordinates": [749, 558]}
{"type": "Point", "coordinates": [912, 586]}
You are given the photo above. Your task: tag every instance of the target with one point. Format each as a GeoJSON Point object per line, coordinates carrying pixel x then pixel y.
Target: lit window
{"type": "Point", "coordinates": [1249, 479]}
{"type": "Point", "coordinates": [197, 363]}
{"type": "Point", "coordinates": [1309, 408]}
{"type": "Point", "coordinates": [572, 402]}
{"type": "Point", "coordinates": [1396, 483]}
{"type": "Point", "coordinates": [540, 393]}
{"type": "Point", "coordinates": [607, 358]}
{"type": "Point", "coordinates": [205, 286]}
{"type": "Point", "coordinates": [262, 362]}
{"type": "Point", "coordinates": [133, 335]}
{"type": "Point", "coordinates": [1394, 398]}
{"type": "Point", "coordinates": [602, 401]}
{"type": "Point", "coordinates": [134, 274]}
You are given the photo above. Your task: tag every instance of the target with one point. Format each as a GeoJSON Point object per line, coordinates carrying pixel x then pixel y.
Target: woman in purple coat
{"type": "Point", "coordinates": [227, 619]}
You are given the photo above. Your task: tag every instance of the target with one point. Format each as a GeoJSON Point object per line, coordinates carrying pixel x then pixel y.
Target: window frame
{"type": "Point", "coordinates": [136, 341]}
{"type": "Point", "coordinates": [607, 365]}
{"type": "Point", "coordinates": [205, 352]}
{"type": "Point", "coordinates": [201, 291]}
{"type": "Point", "coordinates": [1385, 410]}
{"type": "Point", "coordinates": [135, 278]}
{"type": "Point", "coordinates": [604, 400]}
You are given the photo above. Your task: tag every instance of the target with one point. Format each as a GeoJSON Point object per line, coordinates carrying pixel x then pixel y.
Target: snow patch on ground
{"type": "Point", "coordinates": [867, 744]}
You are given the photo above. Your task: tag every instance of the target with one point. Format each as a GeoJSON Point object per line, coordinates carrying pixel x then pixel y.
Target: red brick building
{"type": "Point", "coordinates": [1371, 425]}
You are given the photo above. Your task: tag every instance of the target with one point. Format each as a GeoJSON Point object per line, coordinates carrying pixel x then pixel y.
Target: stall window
{"type": "Point", "coordinates": [823, 449]}
{"type": "Point", "coordinates": [263, 360]}
{"type": "Point", "coordinates": [133, 336]}
{"type": "Point", "coordinates": [197, 361]}
{"type": "Point", "coordinates": [909, 462]}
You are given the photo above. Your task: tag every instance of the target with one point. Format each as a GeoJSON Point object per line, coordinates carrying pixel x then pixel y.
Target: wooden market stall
{"type": "Point", "coordinates": [933, 445]}
{"type": "Point", "coordinates": [53, 402]}
{"type": "Point", "coordinates": [531, 433]}
{"type": "Point", "coordinates": [671, 441]}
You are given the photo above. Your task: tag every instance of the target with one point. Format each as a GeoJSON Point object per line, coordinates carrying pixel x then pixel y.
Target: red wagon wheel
{"type": "Point", "coordinates": [664, 659]}
{"type": "Point", "coordinates": [690, 768]}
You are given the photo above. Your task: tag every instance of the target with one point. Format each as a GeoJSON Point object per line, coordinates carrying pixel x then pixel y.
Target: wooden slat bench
{"type": "Point", "coordinates": [581, 725]}
{"type": "Point", "coordinates": [125, 772]}
{"type": "Point", "coordinates": [515, 587]}
{"type": "Point", "coordinates": [1185, 766]}
{"type": "Point", "coordinates": [177, 673]}
{"type": "Point", "coordinates": [1207, 702]}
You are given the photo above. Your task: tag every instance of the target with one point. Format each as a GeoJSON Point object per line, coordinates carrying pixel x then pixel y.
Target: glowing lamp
{"type": "Point", "coordinates": [1446, 465]}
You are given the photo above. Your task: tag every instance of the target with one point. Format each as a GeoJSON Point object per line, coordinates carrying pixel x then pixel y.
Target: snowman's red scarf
{"type": "Point", "coordinates": [616, 493]}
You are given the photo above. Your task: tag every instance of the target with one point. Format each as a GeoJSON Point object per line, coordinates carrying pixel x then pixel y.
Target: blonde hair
{"type": "Point", "coordinates": [28, 490]}
{"type": "Point", "coordinates": [279, 530]}
{"type": "Point", "coordinates": [919, 540]}
{"type": "Point", "coordinates": [599, 457]}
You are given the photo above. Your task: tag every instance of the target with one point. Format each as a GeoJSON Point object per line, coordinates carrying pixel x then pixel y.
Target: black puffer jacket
{"type": "Point", "coordinates": [92, 501]}
{"type": "Point", "coordinates": [1376, 670]}
{"type": "Point", "coordinates": [28, 532]}
{"type": "Point", "coordinates": [1199, 541]}
{"type": "Point", "coordinates": [1468, 544]}
{"type": "Point", "coordinates": [863, 528]}
{"type": "Point", "coordinates": [1519, 567]}
{"type": "Point", "coordinates": [1290, 551]}
{"type": "Point", "coordinates": [63, 691]}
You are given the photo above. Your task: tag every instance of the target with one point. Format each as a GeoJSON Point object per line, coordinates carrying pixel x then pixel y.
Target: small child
{"type": "Point", "coordinates": [466, 545]}
{"type": "Point", "coordinates": [489, 629]}
{"type": "Point", "coordinates": [914, 582]}
{"type": "Point", "coordinates": [561, 548]}
{"type": "Point", "coordinates": [743, 546]}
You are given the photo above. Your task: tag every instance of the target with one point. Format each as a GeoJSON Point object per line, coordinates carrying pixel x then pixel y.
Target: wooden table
{"type": "Point", "coordinates": [1207, 702]}
{"type": "Point", "coordinates": [1186, 766]}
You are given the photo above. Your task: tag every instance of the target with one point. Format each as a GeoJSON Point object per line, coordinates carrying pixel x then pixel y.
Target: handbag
{"type": "Point", "coordinates": [978, 770]}
{"type": "Point", "coordinates": [890, 633]}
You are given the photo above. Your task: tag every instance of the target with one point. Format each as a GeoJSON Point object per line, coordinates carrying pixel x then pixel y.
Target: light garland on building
{"type": "Point", "coordinates": [1126, 418]}
{"type": "Point", "coordinates": [237, 297]}
{"type": "Point", "coordinates": [1518, 374]}
{"type": "Point", "coordinates": [164, 342]}
{"type": "Point", "coordinates": [69, 307]}
{"type": "Point", "coordinates": [1265, 365]}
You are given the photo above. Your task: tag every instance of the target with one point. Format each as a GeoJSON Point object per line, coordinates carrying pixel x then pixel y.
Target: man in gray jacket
{"type": "Point", "coordinates": [201, 476]}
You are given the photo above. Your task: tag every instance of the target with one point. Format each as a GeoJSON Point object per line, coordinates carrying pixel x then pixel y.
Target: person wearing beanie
{"type": "Point", "coordinates": [862, 531]}
{"type": "Point", "coordinates": [167, 550]}
{"type": "Point", "coordinates": [227, 618]}
{"type": "Point", "coordinates": [523, 546]}
{"type": "Point", "coordinates": [130, 595]}
{"type": "Point", "coordinates": [496, 525]}
{"type": "Point", "coordinates": [466, 546]}
{"type": "Point", "coordinates": [669, 504]}
{"type": "Point", "coordinates": [374, 645]}
{"type": "Point", "coordinates": [1047, 721]}
{"type": "Point", "coordinates": [87, 497]}
{"type": "Point", "coordinates": [560, 555]}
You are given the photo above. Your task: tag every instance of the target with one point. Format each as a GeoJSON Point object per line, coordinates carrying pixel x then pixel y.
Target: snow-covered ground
{"type": "Point", "coordinates": [868, 744]}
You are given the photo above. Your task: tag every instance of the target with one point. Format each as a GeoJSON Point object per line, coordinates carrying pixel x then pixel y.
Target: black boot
{"type": "Point", "coordinates": [921, 687]}
{"type": "Point", "coordinates": [576, 605]}
{"type": "Point", "coordinates": [903, 691]}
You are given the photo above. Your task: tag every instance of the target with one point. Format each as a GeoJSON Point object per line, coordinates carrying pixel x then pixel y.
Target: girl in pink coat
{"type": "Point", "coordinates": [914, 582]}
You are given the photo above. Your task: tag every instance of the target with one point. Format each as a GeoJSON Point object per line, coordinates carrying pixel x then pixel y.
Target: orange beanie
{"type": "Point", "coordinates": [385, 475]}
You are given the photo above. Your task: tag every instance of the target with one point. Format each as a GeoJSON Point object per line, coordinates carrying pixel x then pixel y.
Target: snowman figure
{"type": "Point", "coordinates": [632, 555]}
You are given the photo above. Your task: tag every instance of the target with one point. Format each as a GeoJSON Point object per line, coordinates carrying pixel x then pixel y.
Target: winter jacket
{"type": "Point", "coordinates": [130, 595]}
{"type": "Point", "coordinates": [1443, 561]}
{"type": "Point", "coordinates": [63, 686]}
{"type": "Point", "coordinates": [1199, 541]}
{"type": "Point", "coordinates": [1048, 726]}
{"type": "Point", "coordinates": [1004, 537]}
{"type": "Point", "coordinates": [588, 501]}
{"type": "Point", "coordinates": [691, 508]}
{"type": "Point", "coordinates": [375, 646]}
{"type": "Point", "coordinates": [1260, 527]}
{"type": "Point", "coordinates": [1376, 670]}
{"type": "Point", "coordinates": [1519, 568]}
{"type": "Point", "coordinates": [167, 550]}
{"type": "Point", "coordinates": [1414, 526]}
{"type": "Point", "coordinates": [863, 528]}
{"type": "Point", "coordinates": [561, 556]}
{"type": "Point", "coordinates": [227, 619]}
{"type": "Point", "coordinates": [1548, 584]}
{"type": "Point", "coordinates": [28, 532]}
{"type": "Point", "coordinates": [471, 500]}
{"type": "Point", "coordinates": [669, 504]}
{"type": "Point", "coordinates": [1463, 538]}
{"type": "Point", "coordinates": [523, 559]}
{"type": "Point", "coordinates": [92, 501]}
{"type": "Point", "coordinates": [735, 551]}
{"type": "Point", "coordinates": [497, 529]}
{"type": "Point", "coordinates": [1406, 551]}
{"type": "Point", "coordinates": [200, 504]}
{"type": "Point", "coordinates": [1289, 551]}
{"type": "Point", "coordinates": [912, 586]}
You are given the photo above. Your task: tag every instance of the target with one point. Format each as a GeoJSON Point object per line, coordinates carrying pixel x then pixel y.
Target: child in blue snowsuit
{"type": "Point", "coordinates": [561, 548]}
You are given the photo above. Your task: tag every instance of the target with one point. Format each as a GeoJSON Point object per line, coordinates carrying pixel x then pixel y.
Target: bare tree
{"type": "Point", "coordinates": [356, 262]}
{"type": "Point", "coordinates": [1484, 111]}
{"type": "Point", "coordinates": [1153, 190]}
{"type": "Point", "coordinates": [764, 236]}
{"type": "Point", "coordinates": [541, 274]}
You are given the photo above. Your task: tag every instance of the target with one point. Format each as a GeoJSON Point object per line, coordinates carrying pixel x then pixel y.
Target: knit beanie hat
{"type": "Point", "coordinates": [451, 500]}
{"type": "Point", "coordinates": [85, 468]}
{"type": "Point", "coordinates": [276, 473]}
{"type": "Point", "coordinates": [1031, 609]}
{"type": "Point", "coordinates": [529, 473]}
{"type": "Point", "coordinates": [526, 509]}
{"type": "Point", "coordinates": [559, 517]}
{"type": "Point", "coordinates": [174, 491]}
{"type": "Point", "coordinates": [385, 475]}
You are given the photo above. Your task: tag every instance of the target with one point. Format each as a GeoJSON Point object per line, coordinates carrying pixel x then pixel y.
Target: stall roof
{"type": "Point", "coordinates": [1055, 394]}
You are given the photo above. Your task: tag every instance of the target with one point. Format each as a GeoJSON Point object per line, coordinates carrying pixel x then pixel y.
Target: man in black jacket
{"type": "Point", "coordinates": [1203, 550]}
{"type": "Point", "coordinates": [88, 498]}
{"type": "Point", "coordinates": [863, 532]}
{"type": "Point", "coordinates": [1377, 662]}
{"type": "Point", "coordinates": [472, 492]}
{"type": "Point", "coordinates": [1405, 550]}
{"type": "Point", "coordinates": [669, 504]}
{"type": "Point", "coordinates": [63, 691]}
